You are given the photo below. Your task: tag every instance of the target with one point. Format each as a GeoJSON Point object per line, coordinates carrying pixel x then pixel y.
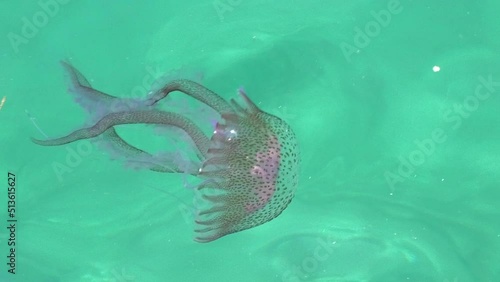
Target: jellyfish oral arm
{"type": "Point", "coordinates": [86, 96]}
{"type": "Point", "coordinates": [133, 117]}
{"type": "Point", "coordinates": [196, 91]}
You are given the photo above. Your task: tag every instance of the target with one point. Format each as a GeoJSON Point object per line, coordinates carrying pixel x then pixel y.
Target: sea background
{"type": "Point", "coordinates": [394, 104]}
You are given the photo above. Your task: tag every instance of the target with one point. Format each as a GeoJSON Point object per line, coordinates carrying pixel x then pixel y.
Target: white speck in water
{"type": "Point", "coordinates": [436, 68]}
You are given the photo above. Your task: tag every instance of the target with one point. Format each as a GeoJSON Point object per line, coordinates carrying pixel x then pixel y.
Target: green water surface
{"type": "Point", "coordinates": [395, 105]}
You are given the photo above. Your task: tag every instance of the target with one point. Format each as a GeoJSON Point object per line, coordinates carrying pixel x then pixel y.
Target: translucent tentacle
{"type": "Point", "coordinates": [134, 155]}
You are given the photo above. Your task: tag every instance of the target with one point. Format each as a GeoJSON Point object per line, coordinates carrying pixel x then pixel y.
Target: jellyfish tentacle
{"type": "Point", "coordinates": [133, 117]}
{"type": "Point", "coordinates": [196, 91]}
{"type": "Point", "coordinates": [214, 209]}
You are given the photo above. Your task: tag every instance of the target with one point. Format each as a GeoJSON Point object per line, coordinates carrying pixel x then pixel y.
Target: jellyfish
{"type": "Point", "coordinates": [248, 167]}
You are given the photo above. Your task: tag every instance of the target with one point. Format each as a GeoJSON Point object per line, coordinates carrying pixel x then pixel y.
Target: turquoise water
{"type": "Point", "coordinates": [394, 103]}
